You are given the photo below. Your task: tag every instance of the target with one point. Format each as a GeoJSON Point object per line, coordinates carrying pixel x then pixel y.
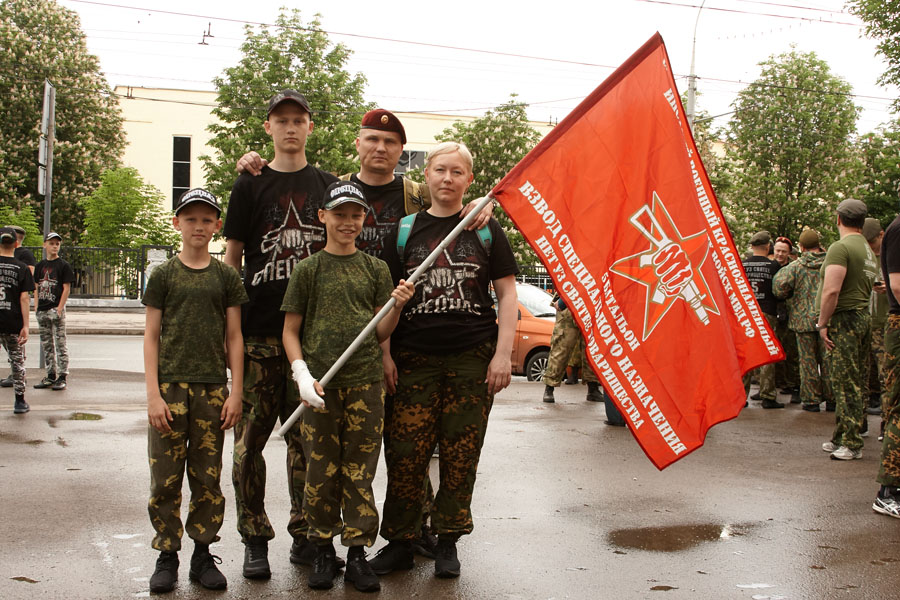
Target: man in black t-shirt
{"type": "Point", "coordinates": [760, 271]}
{"type": "Point", "coordinates": [887, 502]}
{"type": "Point", "coordinates": [272, 223]}
{"type": "Point", "coordinates": [15, 283]}
{"type": "Point", "coordinates": [54, 278]}
{"type": "Point", "coordinates": [24, 255]}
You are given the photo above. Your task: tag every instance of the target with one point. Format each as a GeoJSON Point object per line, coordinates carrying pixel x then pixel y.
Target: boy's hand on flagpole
{"type": "Point", "coordinates": [402, 293]}
{"type": "Point", "coordinates": [310, 390]}
{"type": "Point", "coordinates": [499, 373]}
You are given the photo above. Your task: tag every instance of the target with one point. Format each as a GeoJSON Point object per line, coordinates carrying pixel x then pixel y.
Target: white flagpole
{"type": "Point", "coordinates": [479, 206]}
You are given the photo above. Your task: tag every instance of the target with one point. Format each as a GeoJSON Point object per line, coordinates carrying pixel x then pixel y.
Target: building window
{"type": "Point", "coordinates": [181, 167]}
{"type": "Point", "coordinates": [409, 160]}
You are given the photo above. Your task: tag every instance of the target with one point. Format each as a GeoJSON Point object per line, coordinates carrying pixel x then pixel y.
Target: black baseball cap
{"type": "Point", "coordinates": [340, 192]}
{"type": "Point", "coordinates": [52, 235]}
{"type": "Point", "coordinates": [7, 235]}
{"type": "Point", "coordinates": [197, 195]}
{"type": "Point", "coordinates": [288, 95]}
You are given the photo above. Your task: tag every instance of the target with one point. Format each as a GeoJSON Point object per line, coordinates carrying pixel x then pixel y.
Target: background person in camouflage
{"type": "Point", "coordinates": [887, 501]}
{"type": "Point", "coordinates": [452, 352]}
{"type": "Point", "coordinates": [797, 284]}
{"type": "Point", "coordinates": [193, 310]}
{"type": "Point", "coordinates": [563, 341]}
{"type": "Point", "coordinates": [54, 279]}
{"type": "Point", "coordinates": [844, 324]}
{"type": "Point", "coordinates": [878, 308]}
{"type": "Point", "coordinates": [760, 271]}
{"type": "Point", "coordinates": [332, 296]}
{"type": "Point", "coordinates": [787, 371]}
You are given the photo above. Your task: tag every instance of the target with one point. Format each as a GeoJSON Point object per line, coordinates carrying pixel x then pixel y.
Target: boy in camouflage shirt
{"type": "Point", "coordinates": [333, 294]}
{"type": "Point", "coordinates": [193, 308]}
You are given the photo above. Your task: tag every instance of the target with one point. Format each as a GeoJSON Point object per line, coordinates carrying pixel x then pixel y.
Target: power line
{"type": "Point", "coordinates": [737, 11]}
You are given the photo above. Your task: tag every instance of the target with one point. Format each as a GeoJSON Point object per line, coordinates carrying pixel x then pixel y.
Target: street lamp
{"type": "Point", "coordinates": [692, 78]}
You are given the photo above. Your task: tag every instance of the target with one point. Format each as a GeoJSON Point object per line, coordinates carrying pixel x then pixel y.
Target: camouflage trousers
{"type": "Point", "coordinates": [269, 394]}
{"type": "Point", "coordinates": [443, 399]}
{"type": "Point", "coordinates": [766, 373]}
{"type": "Point", "coordinates": [889, 473]}
{"type": "Point", "coordinates": [196, 440]}
{"type": "Point", "coordinates": [342, 443]}
{"type": "Point", "coordinates": [566, 336]}
{"type": "Point", "coordinates": [876, 366]}
{"type": "Point", "coordinates": [16, 352]}
{"type": "Point", "coordinates": [429, 490]}
{"type": "Point", "coordinates": [787, 371]}
{"type": "Point", "coordinates": [845, 363]}
{"type": "Point", "coordinates": [53, 341]}
{"type": "Point", "coordinates": [814, 384]}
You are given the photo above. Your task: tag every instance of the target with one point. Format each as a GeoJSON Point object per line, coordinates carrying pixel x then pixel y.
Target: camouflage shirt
{"type": "Point", "coordinates": [798, 282]}
{"type": "Point", "coordinates": [193, 303]}
{"type": "Point", "coordinates": [337, 297]}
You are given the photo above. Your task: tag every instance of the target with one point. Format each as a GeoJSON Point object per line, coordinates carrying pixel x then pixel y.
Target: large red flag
{"type": "Point", "coordinates": [618, 207]}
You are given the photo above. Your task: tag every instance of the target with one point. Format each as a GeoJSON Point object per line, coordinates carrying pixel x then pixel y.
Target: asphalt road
{"type": "Point", "coordinates": [565, 507]}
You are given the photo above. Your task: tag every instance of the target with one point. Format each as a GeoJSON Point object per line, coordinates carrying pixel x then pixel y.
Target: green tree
{"type": "Point", "coordinates": [882, 19]}
{"type": "Point", "coordinates": [789, 149]}
{"type": "Point", "coordinates": [289, 55]}
{"type": "Point", "coordinates": [126, 212]}
{"type": "Point", "coordinates": [25, 219]}
{"type": "Point", "coordinates": [39, 39]}
{"type": "Point", "coordinates": [879, 172]}
{"type": "Point", "coordinates": [498, 141]}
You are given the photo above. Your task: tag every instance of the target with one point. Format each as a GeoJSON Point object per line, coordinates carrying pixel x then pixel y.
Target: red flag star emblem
{"type": "Point", "coordinates": [670, 268]}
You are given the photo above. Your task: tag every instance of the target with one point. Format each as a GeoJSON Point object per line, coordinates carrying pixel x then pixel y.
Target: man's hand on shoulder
{"type": "Point", "coordinates": [251, 163]}
{"type": "Point", "coordinates": [483, 217]}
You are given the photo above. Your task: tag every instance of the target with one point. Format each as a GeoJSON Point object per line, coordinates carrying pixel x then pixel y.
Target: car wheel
{"type": "Point", "coordinates": [534, 369]}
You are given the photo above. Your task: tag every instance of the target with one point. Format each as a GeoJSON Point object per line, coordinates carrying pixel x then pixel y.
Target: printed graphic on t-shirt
{"type": "Point", "coordinates": [381, 220]}
{"type": "Point", "coordinates": [47, 286]}
{"type": "Point", "coordinates": [291, 238]}
{"type": "Point", "coordinates": [9, 280]}
{"type": "Point", "coordinates": [451, 283]}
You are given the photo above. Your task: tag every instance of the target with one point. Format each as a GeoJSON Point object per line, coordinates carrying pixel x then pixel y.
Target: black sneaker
{"type": "Point", "coordinates": [6, 381]}
{"type": "Point", "coordinates": [396, 556]}
{"type": "Point", "coordinates": [59, 384]}
{"type": "Point", "coordinates": [256, 560]}
{"type": "Point", "coordinates": [303, 552]}
{"type": "Point", "coordinates": [548, 394]}
{"type": "Point", "coordinates": [166, 573]}
{"type": "Point", "coordinates": [425, 544]}
{"type": "Point", "coordinates": [324, 568]}
{"type": "Point", "coordinates": [46, 382]}
{"type": "Point", "coordinates": [20, 407]}
{"type": "Point", "coordinates": [756, 396]}
{"type": "Point", "coordinates": [204, 569]}
{"type": "Point", "coordinates": [446, 564]}
{"type": "Point", "coordinates": [360, 574]}
{"type": "Point", "coordinates": [772, 404]}
{"type": "Point", "coordinates": [811, 408]}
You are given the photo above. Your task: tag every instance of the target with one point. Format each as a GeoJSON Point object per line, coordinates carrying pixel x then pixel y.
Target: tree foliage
{"type": "Point", "coordinates": [879, 172]}
{"type": "Point", "coordinates": [126, 212]}
{"type": "Point", "coordinates": [788, 148]}
{"type": "Point", "coordinates": [41, 40]}
{"type": "Point", "coordinates": [882, 19]}
{"type": "Point", "coordinates": [498, 141]}
{"type": "Point", "coordinates": [25, 219]}
{"type": "Point", "coordinates": [289, 55]}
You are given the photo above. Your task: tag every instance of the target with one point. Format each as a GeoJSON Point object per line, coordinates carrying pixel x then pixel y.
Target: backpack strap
{"type": "Point", "coordinates": [416, 196]}
{"type": "Point", "coordinates": [484, 234]}
{"type": "Point", "coordinates": [403, 231]}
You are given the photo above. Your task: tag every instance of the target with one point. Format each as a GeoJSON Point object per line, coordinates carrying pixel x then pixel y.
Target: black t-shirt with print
{"type": "Point", "coordinates": [452, 308]}
{"type": "Point", "coordinates": [890, 261]}
{"type": "Point", "coordinates": [275, 215]}
{"type": "Point", "coordinates": [50, 276]}
{"type": "Point", "coordinates": [386, 209]}
{"type": "Point", "coordinates": [15, 278]}
{"type": "Point", "coordinates": [760, 273]}
{"type": "Point", "coordinates": [25, 255]}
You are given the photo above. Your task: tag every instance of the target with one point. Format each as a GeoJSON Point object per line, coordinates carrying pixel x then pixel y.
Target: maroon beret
{"type": "Point", "coordinates": [383, 120]}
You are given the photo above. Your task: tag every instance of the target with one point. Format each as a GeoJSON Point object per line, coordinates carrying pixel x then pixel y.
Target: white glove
{"type": "Point", "coordinates": [306, 384]}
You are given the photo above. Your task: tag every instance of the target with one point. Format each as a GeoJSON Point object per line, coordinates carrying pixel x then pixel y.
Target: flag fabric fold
{"type": "Point", "coordinates": [617, 205]}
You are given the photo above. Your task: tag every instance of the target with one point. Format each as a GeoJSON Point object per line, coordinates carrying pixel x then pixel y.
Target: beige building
{"type": "Point", "coordinates": [167, 132]}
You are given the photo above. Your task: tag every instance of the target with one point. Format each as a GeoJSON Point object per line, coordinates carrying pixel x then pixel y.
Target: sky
{"type": "Point", "coordinates": [466, 57]}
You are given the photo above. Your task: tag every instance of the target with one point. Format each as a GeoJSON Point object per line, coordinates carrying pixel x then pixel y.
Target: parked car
{"type": "Point", "coordinates": [531, 346]}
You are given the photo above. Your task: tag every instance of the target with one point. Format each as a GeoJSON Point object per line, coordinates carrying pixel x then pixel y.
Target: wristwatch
{"type": "Point", "coordinates": [821, 327]}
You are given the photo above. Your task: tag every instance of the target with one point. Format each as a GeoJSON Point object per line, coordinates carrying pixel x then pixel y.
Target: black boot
{"type": "Point", "coordinates": [204, 569]}
{"type": "Point", "coordinates": [548, 394]}
{"type": "Point", "coordinates": [60, 383]}
{"type": "Point", "coordinates": [571, 375]}
{"type": "Point", "coordinates": [446, 563]}
{"type": "Point", "coordinates": [46, 382]}
{"type": "Point", "coordinates": [359, 572]}
{"type": "Point", "coordinates": [166, 573]}
{"type": "Point", "coordinates": [21, 406]}
{"type": "Point", "coordinates": [595, 392]}
{"type": "Point", "coordinates": [6, 381]}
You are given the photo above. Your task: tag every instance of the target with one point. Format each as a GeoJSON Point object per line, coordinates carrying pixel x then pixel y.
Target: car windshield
{"type": "Point", "coordinates": [537, 301]}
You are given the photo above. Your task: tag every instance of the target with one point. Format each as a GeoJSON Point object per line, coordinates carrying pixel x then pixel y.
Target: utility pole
{"type": "Point", "coordinates": [692, 78]}
{"type": "Point", "coordinates": [45, 151]}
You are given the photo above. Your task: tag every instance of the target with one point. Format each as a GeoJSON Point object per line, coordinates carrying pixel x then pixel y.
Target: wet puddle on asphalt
{"type": "Point", "coordinates": [674, 538]}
